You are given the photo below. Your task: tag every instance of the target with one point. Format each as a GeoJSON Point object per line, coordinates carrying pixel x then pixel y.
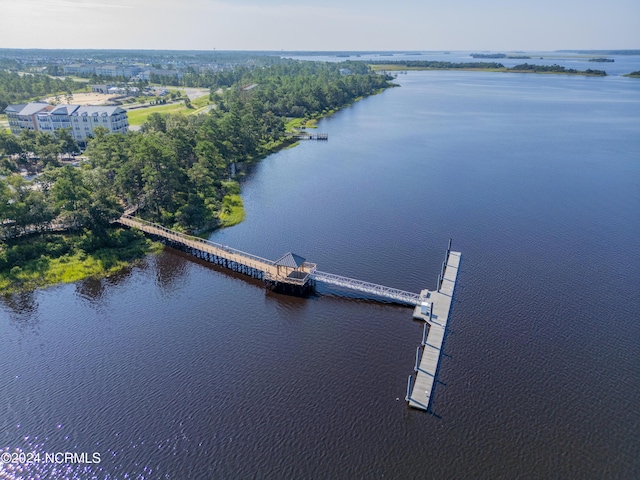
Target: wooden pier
{"type": "Point", "coordinates": [435, 317]}
{"type": "Point", "coordinates": [293, 274]}
{"type": "Point", "coordinates": [290, 272]}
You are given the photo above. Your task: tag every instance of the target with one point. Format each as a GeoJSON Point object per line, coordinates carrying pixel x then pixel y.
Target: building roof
{"type": "Point", "coordinates": [98, 110]}
{"type": "Point", "coordinates": [26, 108]}
{"type": "Point", "coordinates": [290, 260]}
{"type": "Point", "coordinates": [15, 108]}
{"type": "Point", "coordinates": [64, 109]}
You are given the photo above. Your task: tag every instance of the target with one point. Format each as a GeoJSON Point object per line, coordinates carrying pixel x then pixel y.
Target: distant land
{"type": "Point", "coordinates": [481, 66]}
{"type": "Point", "coordinates": [602, 52]}
{"type": "Point", "coordinates": [497, 55]}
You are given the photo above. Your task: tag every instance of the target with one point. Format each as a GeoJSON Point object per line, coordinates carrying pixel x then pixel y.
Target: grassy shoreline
{"type": "Point", "coordinates": [232, 211]}
{"type": "Point", "coordinates": [40, 261]}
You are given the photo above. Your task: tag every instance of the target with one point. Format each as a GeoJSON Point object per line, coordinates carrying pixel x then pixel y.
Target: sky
{"type": "Point", "coordinates": [539, 25]}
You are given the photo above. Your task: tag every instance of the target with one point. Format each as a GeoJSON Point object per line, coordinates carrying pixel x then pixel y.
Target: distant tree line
{"type": "Point", "coordinates": [488, 55]}
{"type": "Point", "coordinates": [524, 67]}
{"type": "Point", "coordinates": [296, 89]}
{"type": "Point", "coordinates": [18, 88]}
{"type": "Point", "coordinates": [438, 65]}
{"type": "Point", "coordinates": [556, 69]}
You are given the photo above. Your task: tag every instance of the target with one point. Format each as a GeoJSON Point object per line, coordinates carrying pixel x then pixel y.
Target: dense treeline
{"type": "Point", "coordinates": [17, 88]}
{"type": "Point", "coordinates": [209, 78]}
{"type": "Point", "coordinates": [296, 89]}
{"type": "Point", "coordinates": [556, 69]}
{"type": "Point", "coordinates": [179, 169]}
{"type": "Point", "coordinates": [64, 197]}
{"type": "Point", "coordinates": [33, 151]}
{"type": "Point", "coordinates": [488, 55]}
{"type": "Point", "coordinates": [437, 65]}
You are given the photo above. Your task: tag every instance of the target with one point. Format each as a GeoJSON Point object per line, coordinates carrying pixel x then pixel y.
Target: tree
{"type": "Point", "coordinates": [39, 210]}
{"type": "Point", "coordinates": [9, 144]}
{"type": "Point", "coordinates": [47, 149]}
{"type": "Point", "coordinates": [5, 206]}
{"type": "Point", "coordinates": [71, 196]}
{"type": "Point", "coordinates": [27, 142]}
{"type": "Point", "coordinates": [18, 207]}
{"type": "Point", "coordinates": [66, 142]}
{"type": "Point", "coordinates": [103, 206]}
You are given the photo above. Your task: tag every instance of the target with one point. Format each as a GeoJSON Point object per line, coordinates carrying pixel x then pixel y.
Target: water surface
{"type": "Point", "coordinates": [177, 369]}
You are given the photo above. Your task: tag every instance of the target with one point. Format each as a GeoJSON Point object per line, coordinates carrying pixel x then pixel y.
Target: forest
{"type": "Point", "coordinates": [18, 88]}
{"type": "Point", "coordinates": [439, 65]}
{"type": "Point", "coordinates": [556, 69]}
{"type": "Point", "coordinates": [179, 169]}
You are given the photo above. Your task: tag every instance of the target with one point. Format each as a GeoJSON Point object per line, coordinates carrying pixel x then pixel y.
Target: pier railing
{"type": "Point", "coordinates": [366, 287]}
{"type": "Point", "coordinates": [268, 267]}
{"type": "Point", "coordinates": [134, 221]}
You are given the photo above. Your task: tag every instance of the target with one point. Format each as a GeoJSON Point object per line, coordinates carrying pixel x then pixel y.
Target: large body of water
{"type": "Point", "coordinates": [177, 369]}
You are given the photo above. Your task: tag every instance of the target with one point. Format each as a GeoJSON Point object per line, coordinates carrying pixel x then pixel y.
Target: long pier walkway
{"type": "Point", "coordinates": [285, 271]}
{"type": "Point", "coordinates": [435, 318]}
{"type": "Point", "coordinates": [290, 272]}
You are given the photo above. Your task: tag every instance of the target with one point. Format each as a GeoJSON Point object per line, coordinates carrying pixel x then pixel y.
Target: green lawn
{"type": "Point", "coordinates": [139, 115]}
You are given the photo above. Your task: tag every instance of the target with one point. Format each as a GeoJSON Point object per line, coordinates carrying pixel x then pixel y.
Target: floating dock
{"type": "Point", "coordinates": [435, 316]}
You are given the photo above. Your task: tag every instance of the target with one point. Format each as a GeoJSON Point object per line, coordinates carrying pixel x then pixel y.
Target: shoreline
{"type": "Point", "coordinates": [75, 263]}
{"type": "Point", "coordinates": [68, 258]}
{"type": "Point", "coordinates": [238, 213]}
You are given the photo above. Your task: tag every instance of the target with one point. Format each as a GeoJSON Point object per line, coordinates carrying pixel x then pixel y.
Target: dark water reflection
{"type": "Point", "coordinates": [179, 369]}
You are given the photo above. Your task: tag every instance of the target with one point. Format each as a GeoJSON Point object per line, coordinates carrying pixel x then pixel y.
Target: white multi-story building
{"type": "Point", "coordinates": [101, 69]}
{"type": "Point", "coordinates": [79, 119]}
{"type": "Point", "coordinates": [79, 69]}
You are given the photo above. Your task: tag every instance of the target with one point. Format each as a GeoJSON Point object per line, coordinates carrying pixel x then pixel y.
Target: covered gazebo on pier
{"type": "Point", "coordinates": [290, 267]}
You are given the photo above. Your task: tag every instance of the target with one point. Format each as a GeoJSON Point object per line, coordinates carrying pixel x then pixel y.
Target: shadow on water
{"type": "Point", "coordinates": [23, 308]}
{"type": "Point", "coordinates": [170, 268]}
{"type": "Point", "coordinates": [95, 290]}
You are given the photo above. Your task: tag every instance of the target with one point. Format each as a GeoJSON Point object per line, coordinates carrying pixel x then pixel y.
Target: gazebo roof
{"type": "Point", "coordinates": [290, 260]}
